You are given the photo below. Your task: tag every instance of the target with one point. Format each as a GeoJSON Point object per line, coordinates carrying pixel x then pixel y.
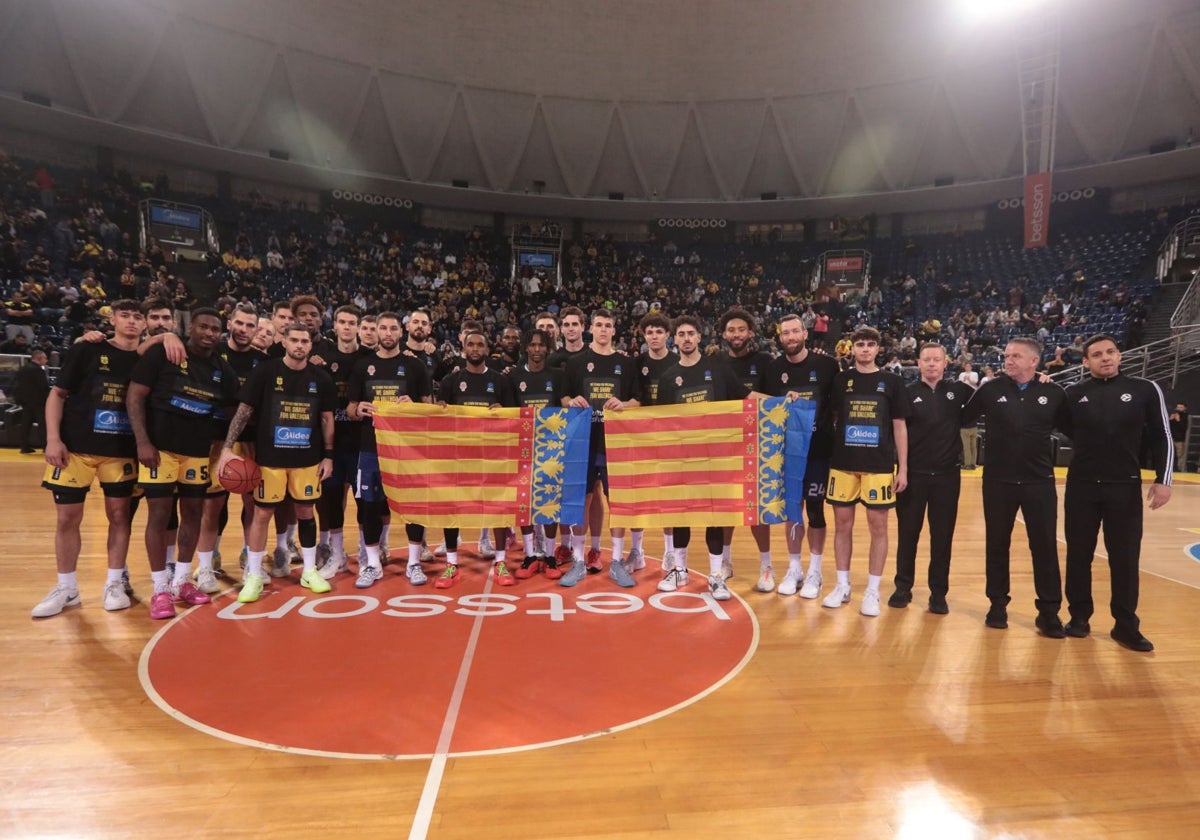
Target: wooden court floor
{"type": "Point", "coordinates": [908, 725]}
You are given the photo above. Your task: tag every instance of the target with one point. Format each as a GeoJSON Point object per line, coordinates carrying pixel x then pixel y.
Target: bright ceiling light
{"type": "Point", "coordinates": [985, 11]}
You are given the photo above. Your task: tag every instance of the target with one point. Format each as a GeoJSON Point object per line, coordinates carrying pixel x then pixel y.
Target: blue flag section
{"type": "Point", "coordinates": [558, 483]}
{"type": "Point", "coordinates": [801, 416]}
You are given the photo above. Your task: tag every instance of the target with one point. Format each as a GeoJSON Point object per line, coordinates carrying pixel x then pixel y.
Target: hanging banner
{"type": "Point", "coordinates": [1037, 210]}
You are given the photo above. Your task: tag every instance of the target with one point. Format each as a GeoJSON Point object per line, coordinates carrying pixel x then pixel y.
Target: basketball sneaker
{"type": "Point", "coordinates": [718, 589]}
{"type": "Point", "coordinates": [189, 594]}
{"type": "Point", "coordinates": [385, 553]}
{"type": "Point", "coordinates": [840, 595]}
{"type": "Point", "coordinates": [576, 573]}
{"type": "Point", "coordinates": [870, 603]}
{"type": "Point", "coordinates": [311, 579]}
{"type": "Point", "coordinates": [416, 575]}
{"type": "Point", "coordinates": [334, 565]}
{"type": "Point", "coordinates": [162, 605]}
{"type": "Point", "coordinates": [486, 550]}
{"type": "Point", "coordinates": [766, 581]}
{"type": "Point", "coordinates": [252, 587]}
{"type": "Point", "coordinates": [115, 597]}
{"type": "Point", "coordinates": [448, 578]}
{"type": "Point", "coordinates": [323, 552]}
{"type": "Point", "coordinates": [726, 569]}
{"type": "Point", "coordinates": [812, 585]}
{"type": "Point", "coordinates": [668, 560]}
{"type": "Point", "coordinates": [593, 562]}
{"type": "Point", "coordinates": [503, 578]}
{"type": "Point", "coordinates": [675, 579]}
{"type": "Point", "coordinates": [426, 554]}
{"type": "Point", "coordinates": [440, 551]}
{"type": "Point", "coordinates": [206, 582]}
{"type": "Point", "coordinates": [563, 556]}
{"type": "Point", "coordinates": [618, 572]}
{"type": "Point", "coordinates": [791, 580]}
{"type": "Point", "coordinates": [552, 568]}
{"type": "Point", "coordinates": [279, 563]}
{"type": "Point", "coordinates": [636, 561]}
{"type": "Point", "coordinates": [530, 566]}
{"type": "Point", "coordinates": [57, 601]}
{"type": "Point", "coordinates": [216, 560]}
{"type": "Point", "coordinates": [367, 575]}
{"type": "Point", "coordinates": [125, 582]}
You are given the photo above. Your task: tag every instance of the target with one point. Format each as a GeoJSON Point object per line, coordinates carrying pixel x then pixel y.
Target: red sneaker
{"type": "Point", "coordinates": [562, 556]}
{"type": "Point", "coordinates": [503, 578]}
{"type": "Point", "coordinates": [162, 605]}
{"type": "Point", "coordinates": [448, 578]}
{"type": "Point", "coordinates": [189, 594]}
{"type": "Point", "coordinates": [530, 566]}
{"type": "Point", "coordinates": [593, 562]}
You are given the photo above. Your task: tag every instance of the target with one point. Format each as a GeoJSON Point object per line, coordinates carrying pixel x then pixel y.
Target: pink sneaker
{"type": "Point", "coordinates": [162, 605]}
{"type": "Point", "coordinates": [189, 594]}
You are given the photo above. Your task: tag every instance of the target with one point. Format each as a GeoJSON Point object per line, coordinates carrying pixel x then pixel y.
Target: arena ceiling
{"type": "Point", "coordinates": [668, 100]}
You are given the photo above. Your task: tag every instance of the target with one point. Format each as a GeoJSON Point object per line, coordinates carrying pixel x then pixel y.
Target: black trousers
{"type": "Point", "coordinates": [1038, 505]}
{"type": "Point", "coordinates": [939, 495]}
{"type": "Point", "coordinates": [1117, 508]}
{"type": "Point", "coordinates": [29, 414]}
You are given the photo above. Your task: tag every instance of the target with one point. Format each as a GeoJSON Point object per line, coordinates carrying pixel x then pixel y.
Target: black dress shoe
{"type": "Point", "coordinates": [900, 599]}
{"type": "Point", "coordinates": [1050, 626]}
{"type": "Point", "coordinates": [938, 605]}
{"type": "Point", "coordinates": [26, 450]}
{"type": "Point", "coordinates": [1077, 629]}
{"type": "Point", "coordinates": [1135, 641]}
{"type": "Point", "coordinates": [997, 617]}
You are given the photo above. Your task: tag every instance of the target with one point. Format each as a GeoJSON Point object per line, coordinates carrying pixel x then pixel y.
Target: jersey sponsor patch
{"type": "Point", "coordinates": [109, 422]}
{"type": "Point", "coordinates": [862, 435]}
{"type": "Point", "coordinates": [191, 406]}
{"type": "Point", "coordinates": [292, 437]}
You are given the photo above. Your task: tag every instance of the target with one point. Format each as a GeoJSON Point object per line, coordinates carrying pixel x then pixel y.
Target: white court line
{"type": "Point", "coordinates": [437, 767]}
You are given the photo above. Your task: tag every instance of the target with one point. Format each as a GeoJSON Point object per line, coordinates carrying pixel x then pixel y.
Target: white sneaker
{"type": "Point", "coordinates": [440, 551]}
{"type": "Point", "coordinates": [367, 575]}
{"type": "Point", "coordinates": [57, 601]}
{"type": "Point", "coordinates": [840, 595]}
{"type": "Point", "coordinates": [416, 575]}
{"type": "Point", "coordinates": [636, 560]}
{"type": "Point", "coordinates": [766, 581]}
{"type": "Point", "coordinates": [727, 569]}
{"type": "Point", "coordinates": [323, 552]}
{"type": "Point", "coordinates": [716, 585]}
{"type": "Point", "coordinates": [486, 550]}
{"type": "Point", "coordinates": [385, 553]}
{"type": "Point", "coordinates": [788, 585]}
{"type": "Point", "coordinates": [333, 566]}
{"type": "Point", "coordinates": [675, 579]}
{"type": "Point", "coordinates": [115, 597]}
{"type": "Point", "coordinates": [812, 586]}
{"type": "Point", "coordinates": [870, 603]}
{"type": "Point", "coordinates": [279, 563]}
{"type": "Point", "coordinates": [668, 560]}
{"type": "Point", "coordinates": [426, 554]}
{"type": "Point", "coordinates": [206, 582]}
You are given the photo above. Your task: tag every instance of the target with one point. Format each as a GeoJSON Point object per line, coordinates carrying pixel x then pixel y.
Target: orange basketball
{"type": "Point", "coordinates": [241, 475]}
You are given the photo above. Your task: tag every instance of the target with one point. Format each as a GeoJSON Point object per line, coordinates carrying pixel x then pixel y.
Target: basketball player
{"type": "Point", "coordinates": [173, 410]}
{"type": "Point", "coordinates": [367, 338]}
{"type": "Point", "coordinates": [604, 379]}
{"type": "Point", "coordinates": [87, 438]}
{"type": "Point", "coordinates": [651, 365]}
{"type": "Point", "coordinates": [801, 373]}
{"type": "Point", "coordinates": [293, 402]}
{"type": "Point", "coordinates": [264, 336]}
{"type": "Point", "coordinates": [571, 326]}
{"type": "Point", "coordinates": [480, 386]}
{"type": "Point", "coordinates": [869, 464]}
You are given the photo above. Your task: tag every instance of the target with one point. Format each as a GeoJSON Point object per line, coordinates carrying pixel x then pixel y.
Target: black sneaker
{"type": "Point", "coordinates": [1135, 641]}
{"type": "Point", "coordinates": [900, 599]}
{"type": "Point", "coordinates": [1050, 626]}
{"type": "Point", "coordinates": [938, 605]}
{"type": "Point", "coordinates": [1077, 629]}
{"type": "Point", "coordinates": [997, 618]}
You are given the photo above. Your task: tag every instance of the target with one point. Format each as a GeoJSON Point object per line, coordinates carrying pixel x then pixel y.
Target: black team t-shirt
{"type": "Point", "coordinates": [243, 363]}
{"type": "Point", "coordinates": [480, 390]}
{"type": "Point", "coordinates": [709, 380]}
{"type": "Point", "coordinates": [94, 421]}
{"type": "Point", "coordinates": [559, 358]}
{"type": "Point", "coordinates": [650, 370]}
{"type": "Point", "coordinates": [288, 405]}
{"type": "Point", "coordinates": [751, 369]}
{"type": "Point", "coordinates": [540, 390]}
{"type": "Point", "coordinates": [865, 404]}
{"type": "Point", "coordinates": [596, 378]}
{"type": "Point", "coordinates": [812, 379]}
{"type": "Point", "coordinates": [187, 402]}
{"type": "Point", "coordinates": [340, 366]}
{"type": "Point", "coordinates": [383, 380]}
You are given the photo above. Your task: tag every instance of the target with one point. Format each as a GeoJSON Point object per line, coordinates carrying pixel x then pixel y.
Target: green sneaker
{"type": "Point", "coordinates": [252, 587]}
{"type": "Point", "coordinates": [311, 579]}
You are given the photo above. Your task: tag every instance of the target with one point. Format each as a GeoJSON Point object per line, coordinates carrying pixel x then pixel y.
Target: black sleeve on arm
{"type": "Point", "coordinates": [1158, 433]}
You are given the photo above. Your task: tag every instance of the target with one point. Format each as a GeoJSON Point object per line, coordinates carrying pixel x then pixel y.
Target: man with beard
{"type": "Point", "coordinates": [173, 410]}
{"type": "Point", "coordinates": [418, 330]}
{"type": "Point", "coordinates": [476, 384]}
{"type": "Point", "coordinates": [238, 352]}
{"type": "Point", "coordinates": [509, 352]}
{"type": "Point", "coordinates": [387, 376]}
{"type": "Point", "coordinates": [749, 365]}
{"type": "Point", "coordinates": [803, 374]}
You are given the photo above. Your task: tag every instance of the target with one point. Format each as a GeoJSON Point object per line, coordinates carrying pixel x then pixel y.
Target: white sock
{"type": "Point", "coordinates": [873, 583]}
{"type": "Point", "coordinates": [336, 547]}
{"type": "Point", "coordinates": [669, 541]}
{"type": "Point", "coordinates": [814, 562]}
{"type": "Point", "coordinates": [794, 567]}
{"type": "Point", "coordinates": [204, 560]}
{"type": "Point", "coordinates": [114, 575]}
{"type": "Point", "coordinates": [635, 541]}
{"type": "Point", "coordinates": [414, 554]}
{"type": "Point", "coordinates": [254, 561]}
{"type": "Point", "coordinates": [618, 549]}
{"type": "Point", "coordinates": [452, 557]}
{"type": "Point", "coordinates": [564, 536]}
{"type": "Point", "coordinates": [843, 577]}
{"type": "Point", "coordinates": [527, 539]}
{"type": "Point", "coordinates": [323, 538]}
{"type": "Point", "coordinates": [308, 553]}
{"type": "Point", "coordinates": [291, 533]}
{"type": "Point", "coordinates": [183, 571]}
{"type": "Point", "coordinates": [281, 540]}
{"type": "Point", "coordinates": [577, 549]}
{"type": "Point", "coordinates": [595, 543]}
{"type": "Point", "coordinates": [681, 558]}
{"type": "Point", "coordinates": [764, 559]}
{"type": "Point", "coordinates": [372, 552]}
{"type": "Point", "coordinates": [499, 556]}
{"type": "Point", "coordinates": [715, 564]}
{"type": "Point", "coordinates": [159, 579]}
{"type": "Point", "coordinates": [68, 582]}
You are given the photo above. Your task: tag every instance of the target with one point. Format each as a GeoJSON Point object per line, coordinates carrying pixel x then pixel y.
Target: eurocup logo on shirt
{"type": "Point", "coordinates": [292, 437]}
{"type": "Point", "coordinates": [216, 376]}
{"type": "Point", "coordinates": [707, 375]}
{"type": "Point", "coordinates": [881, 387]}
{"type": "Point", "coordinates": [312, 387]}
{"type": "Point", "coordinates": [617, 370]}
{"type": "Point", "coordinates": [491, 388]}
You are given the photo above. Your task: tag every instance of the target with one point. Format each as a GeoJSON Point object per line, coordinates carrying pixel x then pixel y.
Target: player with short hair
{"type": "Point", "coordinates": [88, 437]}
{"type": "Point", "coordinates": [571, 324]}
{"type": "Point", "coordinates": [651, 365]}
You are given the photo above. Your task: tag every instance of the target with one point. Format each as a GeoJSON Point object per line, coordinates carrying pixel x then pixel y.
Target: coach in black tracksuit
{"type": "Point", "coordinates": [1019, 475]}
{"type": "Point", "coordinates": [1109, 416]}
{"type": "Point", "coordinates": [934, 479]}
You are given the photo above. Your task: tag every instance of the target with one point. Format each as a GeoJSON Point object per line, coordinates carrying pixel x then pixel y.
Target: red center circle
{"type": "Point", "coordinates": [373, 673]}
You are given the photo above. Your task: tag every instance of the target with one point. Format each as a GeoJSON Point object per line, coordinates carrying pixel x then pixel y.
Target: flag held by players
{"type": "Point", "coordinates": [456, 467]}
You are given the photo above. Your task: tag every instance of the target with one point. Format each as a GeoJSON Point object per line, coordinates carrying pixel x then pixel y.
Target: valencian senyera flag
{"type": "Point", "coordinates": [457, 467]}
{"type": "Point", "coordinates": [717, 463]}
